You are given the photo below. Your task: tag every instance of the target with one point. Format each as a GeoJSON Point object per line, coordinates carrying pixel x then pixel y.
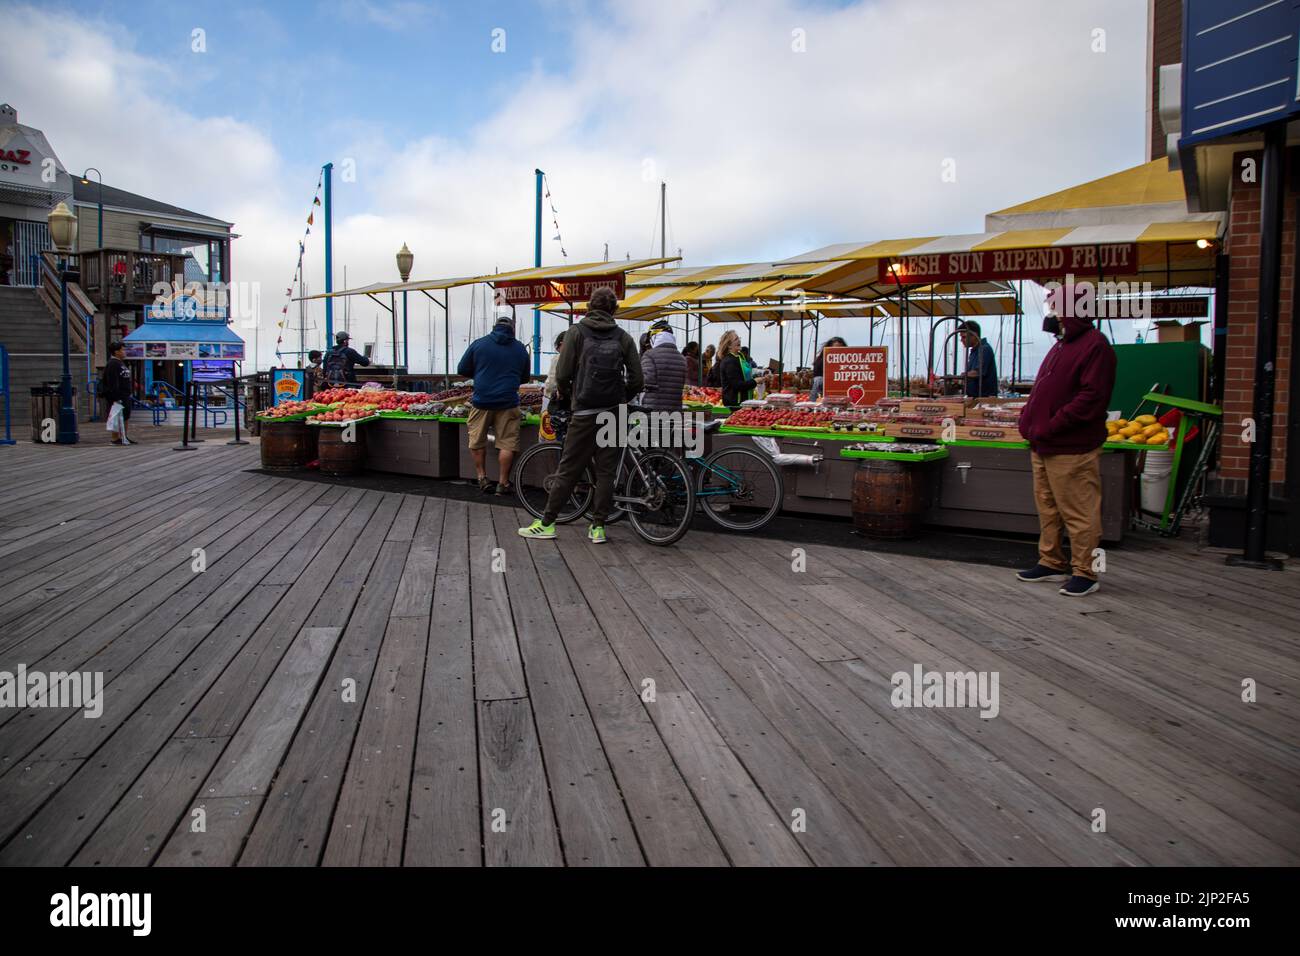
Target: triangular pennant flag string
{"type": "Point", "coordinates": [555, 213]}
{"type": "Point", "coordinates": [298, 266]}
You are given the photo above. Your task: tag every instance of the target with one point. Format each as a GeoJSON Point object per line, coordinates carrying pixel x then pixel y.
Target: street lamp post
{"type": "Point", "coordinates": [85, 179]}
{"type": "Point", "coordinates": [405, 259]}
{"type": "Point", "coordinates": [63, 233]}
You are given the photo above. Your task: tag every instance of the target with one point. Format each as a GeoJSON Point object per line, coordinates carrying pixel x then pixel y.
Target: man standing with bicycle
{"type": "Point", "coordinates": [600, 369]}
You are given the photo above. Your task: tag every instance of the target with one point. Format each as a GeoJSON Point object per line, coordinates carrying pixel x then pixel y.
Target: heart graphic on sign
{"type": "Point", "coordinates": [856, 394]}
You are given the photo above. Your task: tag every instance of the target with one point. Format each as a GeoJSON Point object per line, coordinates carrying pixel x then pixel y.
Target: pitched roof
{"type": "Point", "coordinates": [89, 193]}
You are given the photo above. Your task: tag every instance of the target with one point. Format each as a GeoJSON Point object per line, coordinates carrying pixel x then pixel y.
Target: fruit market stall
{"type": "Point", "coordinates": [966, 463]}
{"type": "Point", "coordinates": [286, 441]}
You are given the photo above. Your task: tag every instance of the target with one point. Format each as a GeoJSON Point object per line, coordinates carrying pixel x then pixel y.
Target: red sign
{"type": "Point", "coordinates": [1085, 261]}
{"type": "Point", "coordinates": [1183, 307]}
{"type": "Point", "coordinates": [529, 291]}
{"type": "Point", "coordinates": [858, 373]}
{"type": "Point", "coordinates": [18, 156]}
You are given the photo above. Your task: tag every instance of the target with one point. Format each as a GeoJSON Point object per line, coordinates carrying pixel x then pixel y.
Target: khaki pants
{"type": "Point", "coordinates": [1067, 490]}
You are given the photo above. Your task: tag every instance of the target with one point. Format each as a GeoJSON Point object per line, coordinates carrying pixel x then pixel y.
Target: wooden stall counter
{"type": "Point", "coordinates": [407, 445]}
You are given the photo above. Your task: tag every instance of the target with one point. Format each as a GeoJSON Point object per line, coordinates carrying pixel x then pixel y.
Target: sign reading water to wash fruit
{"type": "Point", "coordinates": [856, 373]}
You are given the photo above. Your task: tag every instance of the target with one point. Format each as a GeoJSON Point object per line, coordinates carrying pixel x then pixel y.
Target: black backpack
{"type": "Point", "coordinates": [600, 382]}
{"type": "Point", "coordinates": [336, 366]}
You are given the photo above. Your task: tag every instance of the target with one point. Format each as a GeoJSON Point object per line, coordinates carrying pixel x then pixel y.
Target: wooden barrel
{"type": "Point", "coordinates": [339, 458]}
{"type": "Point", "coordinates": [287, 445]}
{"type": "Point", "coordinates": [889, 498]}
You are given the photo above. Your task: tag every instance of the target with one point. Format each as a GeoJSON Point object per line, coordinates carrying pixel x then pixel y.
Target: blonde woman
{"type": "Point", "coordinates": [735, 374]}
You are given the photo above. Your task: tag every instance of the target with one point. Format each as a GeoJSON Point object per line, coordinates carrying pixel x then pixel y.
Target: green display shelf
{"type": "Point", "coordinates": [408, 417]}
{"type": "Point", "coordinates": [354, 421]}
{"type": "Point", "coordinates": [937, 455]}
{"type": "Point", "coordinates": [300, 417]}
{"type": "Point", "coordinates": [966, 443]}
{"type": "Point", "coordinates": [783, 433]}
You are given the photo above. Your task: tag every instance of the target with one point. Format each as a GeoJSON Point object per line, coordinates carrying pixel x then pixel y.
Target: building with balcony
{"type": "Point", "coordinates": [127, 246]}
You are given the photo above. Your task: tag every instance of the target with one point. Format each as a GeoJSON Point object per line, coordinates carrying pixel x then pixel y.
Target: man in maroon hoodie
{"type": "Point", "coordinates": [1064, 422]}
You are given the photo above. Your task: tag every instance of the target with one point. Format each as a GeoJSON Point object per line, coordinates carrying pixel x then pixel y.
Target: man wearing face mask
{"type": "Point", "coordinates": [1064, 422]}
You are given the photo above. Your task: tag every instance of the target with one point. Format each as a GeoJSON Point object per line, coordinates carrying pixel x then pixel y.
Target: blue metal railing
{"type": "Point", "coordinates": [163, 390]}
{"type": "Point", "coordinates": [4, 390]}
{"type": "Point", "coordinates": [212, 417]}
{"type": "Point", "coordinates": [42, 268]}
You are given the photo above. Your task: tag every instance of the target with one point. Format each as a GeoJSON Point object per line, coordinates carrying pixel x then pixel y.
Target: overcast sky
{"type": "Point", "coordinates": [779, 126]}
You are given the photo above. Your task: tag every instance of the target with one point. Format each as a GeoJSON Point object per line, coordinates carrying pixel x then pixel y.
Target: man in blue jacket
{"type": "Point", "coordinates": [498, 364]}
{"type": "Point", "coordinates": [981, 366]}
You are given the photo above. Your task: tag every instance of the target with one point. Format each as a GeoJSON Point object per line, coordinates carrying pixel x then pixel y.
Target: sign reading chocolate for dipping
{"type": "Point", "coordinates": [1115, 258]}
{"type": "Point", "coordinates": [529, 291]}
{"type": "Point", "coordinates": [858, 373]}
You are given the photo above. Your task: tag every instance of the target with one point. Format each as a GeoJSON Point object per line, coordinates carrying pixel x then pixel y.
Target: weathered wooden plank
{"type": "Point", "coordinates": [589, 809]}
{"type": "Point", "coordinates": [226, 821]}
{"type": "Point", "coordinates": [746, 826]}
{"type": "Point", "coordinates": [53, 834]}
{"type": "Point", "coordinates": [370, 818]}
{"type": "Point", "coordinates": [670, 827]}
{"type": "Point", "coordinates": [1078, 730]}
{"type": "Point", "coordinates": [518, 823]}
{"type": "Point", "coordinates": [1172, 736]}
{"type": "Point", "coordinates": [249, 762]}
{"type": "Point", "coordinates": [888, 814]}
{"type": "Point", "coordinates": [444, 826]}
{"type": "Point", "coordinates": [132, 834]}
{"type": "Point", "coordinates": [498, 672]}
{"type": "Point", "coordinates": [830, 834]}
{"type": "Point", "coordinates": [295, 818]}
{"type": "Point", "coordinates": [415, 590]}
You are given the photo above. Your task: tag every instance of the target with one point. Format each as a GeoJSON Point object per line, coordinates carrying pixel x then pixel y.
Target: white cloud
{"type": "Point", "coordinates": [767, 152]}
{"type": "Point", "coordinates": [395, 15]}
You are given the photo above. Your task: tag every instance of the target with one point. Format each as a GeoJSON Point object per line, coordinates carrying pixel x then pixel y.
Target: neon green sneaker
{"type": "Point", "coordinates": [596, 534]}
{"type": "Point", "coordinates": [538, 530]}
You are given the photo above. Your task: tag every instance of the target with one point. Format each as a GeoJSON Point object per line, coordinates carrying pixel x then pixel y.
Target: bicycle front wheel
{"type": "Point", "coordinates": [536, 472]}
{"type": "Point", "coordinates": [665, 498]}
{"type": "Point", "coordinates": [740, 489]}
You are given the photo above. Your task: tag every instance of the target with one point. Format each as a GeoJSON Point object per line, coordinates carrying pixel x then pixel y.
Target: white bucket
{"type": "Point", "coordinates": [1155, 480]}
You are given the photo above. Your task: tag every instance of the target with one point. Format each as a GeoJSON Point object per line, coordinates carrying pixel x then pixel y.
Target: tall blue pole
{"type": "Point", "coordinates": [329, 255]}
{"type": "Point", "coordinates": [537, 261]}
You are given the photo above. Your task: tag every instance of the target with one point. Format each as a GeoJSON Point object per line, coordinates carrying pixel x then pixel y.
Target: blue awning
{"type": "Point", "coordinates": [203, 333]}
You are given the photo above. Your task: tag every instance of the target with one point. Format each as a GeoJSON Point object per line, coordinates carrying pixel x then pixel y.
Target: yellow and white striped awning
{"type": "Point", "coordinates": [1168, 254]}
{"type": "Point", "coordinates": [749, 272]}
{"type": "Point", "coordinates": [581, 269]}
{"type": "Point", "coordinates": [555, 273]}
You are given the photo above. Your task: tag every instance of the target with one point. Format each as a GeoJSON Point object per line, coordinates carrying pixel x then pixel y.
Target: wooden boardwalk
{"type": "Point", "coordinates": [353, 679]}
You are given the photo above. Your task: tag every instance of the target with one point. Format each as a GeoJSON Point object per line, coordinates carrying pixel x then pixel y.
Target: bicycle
{"type": "Point", "coordinates": [740, 489]}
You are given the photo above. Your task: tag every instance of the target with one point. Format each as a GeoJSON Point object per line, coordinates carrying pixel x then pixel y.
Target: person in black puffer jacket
{"type": "Point", "coordinates": [664, 370]}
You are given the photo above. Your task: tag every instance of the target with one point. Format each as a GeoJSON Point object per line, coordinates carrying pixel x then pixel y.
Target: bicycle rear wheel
{"type": "Point", "coordinates": [669, 498]}
{"type": "Point", "coordinates": [740, 489]}
{"type": "Point", "coordinates": [535, 474]}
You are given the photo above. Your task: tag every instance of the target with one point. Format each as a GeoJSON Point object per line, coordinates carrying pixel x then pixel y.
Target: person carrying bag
{"type": "Point", "coordinates": [115, 389]}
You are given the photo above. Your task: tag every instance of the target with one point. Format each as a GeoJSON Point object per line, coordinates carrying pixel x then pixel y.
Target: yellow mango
{"type": "Point", "coordinates": [1145, 420]}
{"type": "Point", "coordinates": [1153, 429]}
{"type": "Point", "coordinates": [1158, 439]}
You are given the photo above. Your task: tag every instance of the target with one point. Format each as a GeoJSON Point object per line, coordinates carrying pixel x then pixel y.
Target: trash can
{"type": "Point", "coordinates": [46, 401]}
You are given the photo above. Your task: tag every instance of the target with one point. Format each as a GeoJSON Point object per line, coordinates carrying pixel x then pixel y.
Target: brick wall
{"type": "Point", "coordinates": [1242, 245]}
{"type": "Point", "coordinates": [1165, 36]}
